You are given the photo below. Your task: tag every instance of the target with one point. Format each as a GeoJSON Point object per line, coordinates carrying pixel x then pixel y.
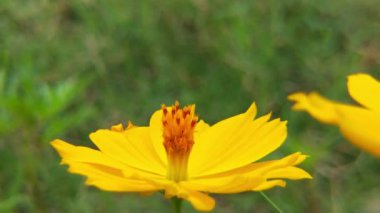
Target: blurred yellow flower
{"type": "Point", "coordinates": [184, 157]}
{"type": "Point", "coordinates": [359, 124]}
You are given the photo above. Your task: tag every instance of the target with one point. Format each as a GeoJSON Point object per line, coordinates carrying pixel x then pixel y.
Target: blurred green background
{"type": "Point", "coordinates": [68, 68]}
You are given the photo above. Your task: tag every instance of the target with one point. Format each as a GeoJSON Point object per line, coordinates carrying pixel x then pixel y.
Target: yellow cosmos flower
{"type": "Point", "coordinates": [186, 158]}
{"type": "Point", "coordinates": [359, 124]}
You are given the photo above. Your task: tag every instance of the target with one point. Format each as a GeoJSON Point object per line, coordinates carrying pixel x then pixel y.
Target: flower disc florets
{"type": "Point", "coordinates": [178, 136]}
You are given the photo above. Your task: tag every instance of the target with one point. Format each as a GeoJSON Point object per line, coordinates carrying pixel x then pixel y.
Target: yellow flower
{"type": "Point", "coordinates": [184, 157]}
{"type": "Point", "coordinates": [359, 124]}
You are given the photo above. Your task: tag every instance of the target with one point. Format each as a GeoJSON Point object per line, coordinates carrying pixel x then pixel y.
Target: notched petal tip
{"type": "Point", "coordinates": [252, 109]}
{"type": "Point", "coordinates": [279, 121]}
{"type": "Point", "coordinates": [296, 96]}
{"type": "Point", "coordinates": [62, 147]}
{"type": "Point", "coordinates": [118, 127]}
{"type": "Point", "coordinates": [308, 176]}
{"type": "Point", "coordinates": [58, 143]}
{"type": "Point", "coordinates": [317, 106]}
{"type": "Point", "coordinates": [300, 99]}
{"type": "Point", "coordinates": [296, 158]}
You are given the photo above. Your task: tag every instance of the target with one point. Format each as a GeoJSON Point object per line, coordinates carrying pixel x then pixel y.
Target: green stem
{"type": "Point", "coordinates": [177, 203]}
{"type": "Point", "coordinates": [271, 202]}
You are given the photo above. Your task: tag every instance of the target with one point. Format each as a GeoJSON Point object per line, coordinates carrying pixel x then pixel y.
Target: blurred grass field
{"type": "Point", "coordinates": [68, 68]}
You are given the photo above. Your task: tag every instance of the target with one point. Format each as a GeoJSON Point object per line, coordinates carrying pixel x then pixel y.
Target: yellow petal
{"type": "Point", "coordinates": [269, 184]}
{"type": "Point", "coordinates": [361, 128]}
{"type": "Point", "coordinates": [288, 172]}
{"type": "Point", "coordinates": [132, 147]}
{"type": "Point", "coordinates": [365, 90]}
{"type": "Point", "coordinates": [225, 185]}
{"type": "Point", "coordinates": [263, 168]}
{"type": "Point", "coordinates": [78, 154]}
{"type": "Point", "coordinates": [253, 176]}
{"type": "Point", "coordinates": [101, 170]}
{"type": "Point", "coordinates": [235, 142]}
{"type": "Point", "coordinates": [292, 173]}
{"type": "Point", "coordinates": [118, 128]}
{"type": "Point", "coordinates": [109, 179]}
{"type": "Point", "coordinates": [200, 201]}
{"type": "Point", "coordinates": [358, 125]}
{"type": "Point", "coordinates": [71, 153]}
{"type": "Point", "coordinates": [320, 108]}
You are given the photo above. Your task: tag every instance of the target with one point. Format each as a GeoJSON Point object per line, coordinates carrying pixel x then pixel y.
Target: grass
{"type": "Point", "coordinates": [68, 68]}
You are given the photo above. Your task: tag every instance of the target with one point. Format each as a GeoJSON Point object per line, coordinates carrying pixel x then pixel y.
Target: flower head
{"type": "Point", "coordinates": [185, 157]}
{"type": "Point", "coordinates": [359, 124]}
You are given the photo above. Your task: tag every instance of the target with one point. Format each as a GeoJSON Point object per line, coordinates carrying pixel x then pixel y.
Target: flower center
{"type": "Point", "coordinates": [178, 128]}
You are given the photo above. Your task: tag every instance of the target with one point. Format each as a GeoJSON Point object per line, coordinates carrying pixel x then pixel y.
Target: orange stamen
{"type": "Point", "coordinates": [178, 129]}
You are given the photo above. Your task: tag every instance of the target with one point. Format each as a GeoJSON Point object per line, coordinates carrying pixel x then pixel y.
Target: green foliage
{"type": "Point", "coordinates": [70, 67]}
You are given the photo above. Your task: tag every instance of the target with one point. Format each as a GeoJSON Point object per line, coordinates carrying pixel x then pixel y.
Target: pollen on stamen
{"type": "Point", "coordinates": [193, 123]}
{"type": "Point", "coordinates": [164, 109]}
